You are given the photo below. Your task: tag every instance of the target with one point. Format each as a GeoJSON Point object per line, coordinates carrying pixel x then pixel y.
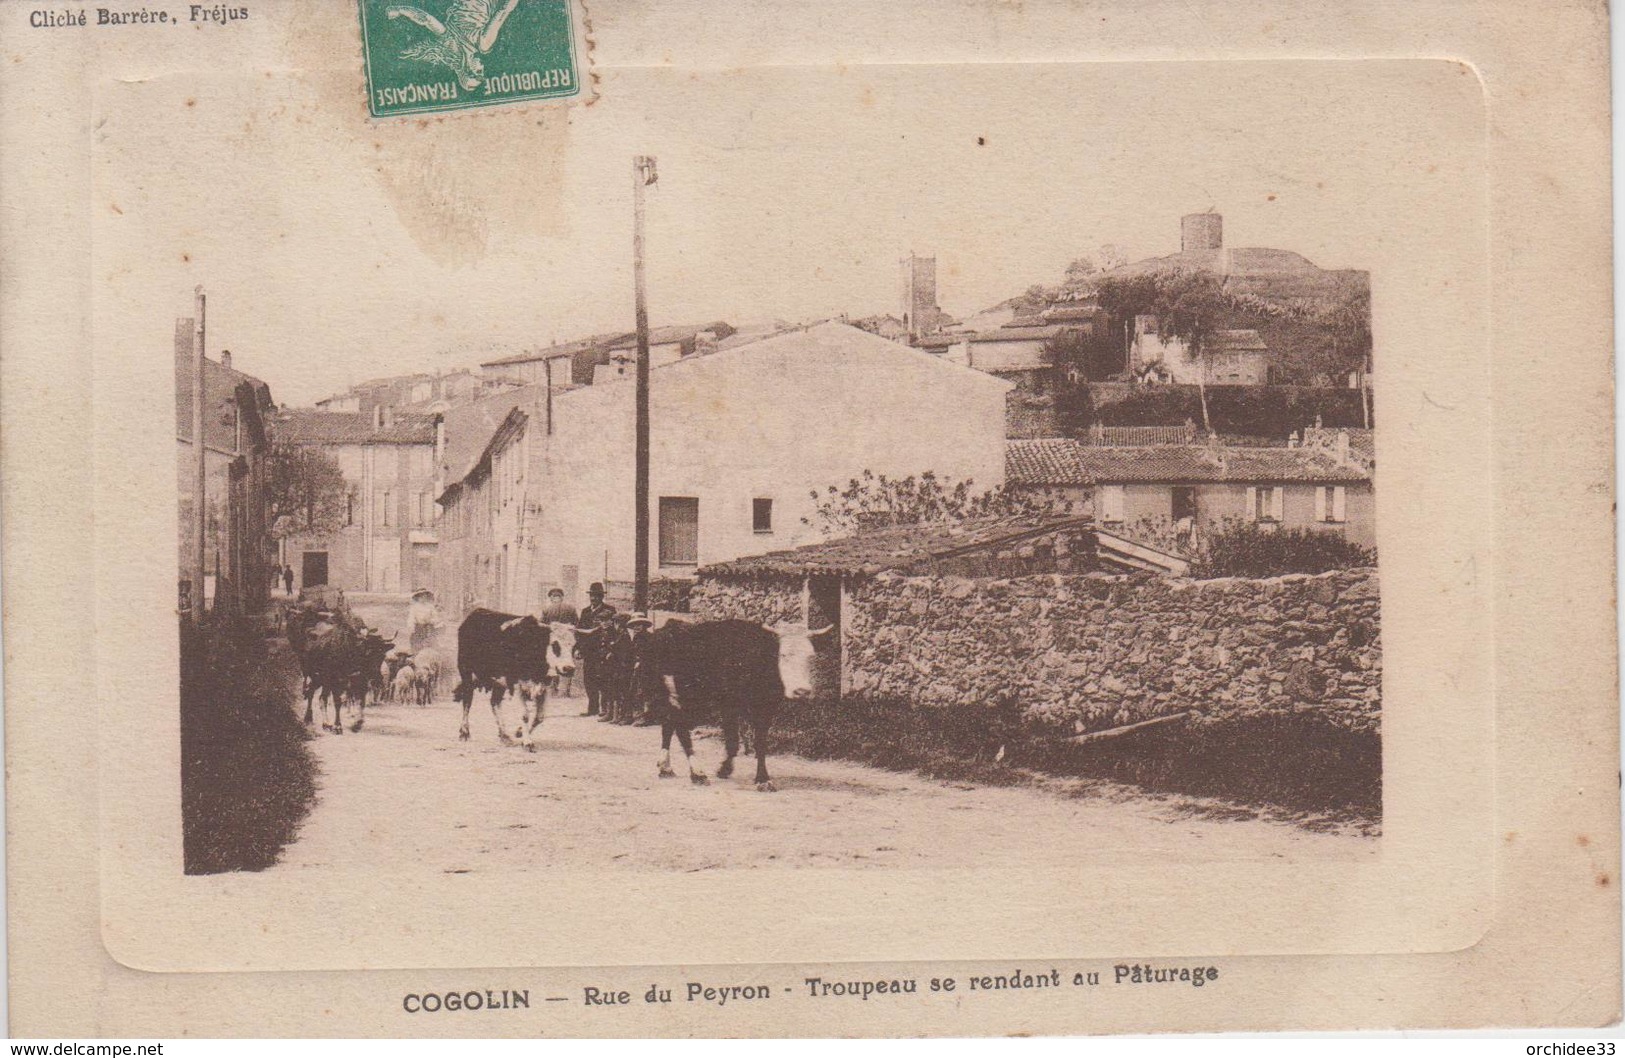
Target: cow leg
{"type": "Point", "coordinates": [465, 696]}
{"type": "Point", "coordinates": [497, 691]}
{"type": "Point", "coordinates": [667, 727]}
{"type": "Point", "coordinates": [759, 722]}
{"type": "Point", "coordinates": [686, 738]}
{"type": "Point", "coordinates": [534, 710]}
{"type": "Point", "coordinates": [310, 697]}
{"type": "Point", "coordinates": [730, 744]}
{"type": "Point", "coordinates": [361, 715]}
{"type": "Point", "coordinates": [335, 699]}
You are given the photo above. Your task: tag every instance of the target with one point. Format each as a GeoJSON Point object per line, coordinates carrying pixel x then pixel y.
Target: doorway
{"type": "Point", "coordinates": [824, 608]}
{"type": "Point", "coordinates": [1184, 504]}
{"type": "Point", "coordinates": [312, 569]}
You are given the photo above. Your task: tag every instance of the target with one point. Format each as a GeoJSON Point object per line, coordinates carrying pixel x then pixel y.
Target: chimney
{"type": "Point", "coordinates": [225, 359]}
{"type": "Point", "coordinates": [1342, 449]}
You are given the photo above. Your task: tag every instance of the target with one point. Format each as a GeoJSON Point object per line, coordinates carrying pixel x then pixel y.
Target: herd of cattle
{"type": "Point", "coordinates": [731, 673]}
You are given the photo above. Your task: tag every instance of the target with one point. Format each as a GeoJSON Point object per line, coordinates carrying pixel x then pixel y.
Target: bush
{"type": "Point", "coordinates": [670, 594]}
{"type": "Point", "coordinates": [1293, 761]}
{"type": "Point", "coordinates": [1253, 411]}
{"type": "Point", "coordinates": [247, 776]}
{"type": "Point", "coordinates": [1248, 550]}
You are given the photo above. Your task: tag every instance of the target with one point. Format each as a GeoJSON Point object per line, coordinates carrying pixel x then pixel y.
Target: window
{"type": "Point", "coordinates": [1264, 503]}
{"type": "Point", "coordinates": [1111, 504]}
{"type": "Point", "coordinates": [761, 515]}
{"type": "Point", "coordinates": [385, 511]}
{"type": "Point", "coordinates": [1331, 503]}
{"type": "Point", "coordinates": [349, 507]}
{"type": "Point", "coordinates": [679, 531]}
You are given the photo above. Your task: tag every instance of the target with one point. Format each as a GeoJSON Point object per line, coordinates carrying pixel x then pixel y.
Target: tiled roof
{"type": "Point", "coordinates": [893, 548]}
{"type": "Point", "coordinates": [1062, 461]}
{"type": "Point", "coordinates": [1045, 461]}
{"type": "Point", "coordinates": [1010, 333]}
{"type": "Point", "coordinates": [314, 427]}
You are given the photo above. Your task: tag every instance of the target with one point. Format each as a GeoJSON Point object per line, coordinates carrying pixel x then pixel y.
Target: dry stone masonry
{"type": "Point", "coordinates": [1083, 652]}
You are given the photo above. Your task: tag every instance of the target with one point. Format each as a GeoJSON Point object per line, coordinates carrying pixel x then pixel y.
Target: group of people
{"type": "Point", "coordinates": [609, 653]}
{"type": "Point", "coordinates": [282, 575]}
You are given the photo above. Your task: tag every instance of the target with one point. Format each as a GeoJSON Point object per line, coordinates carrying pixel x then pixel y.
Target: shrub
{"type": "Point", "coordinates": [1248, 550]}
{"type": "Point", "coordinates": [670, 594]}
{"type": "Point", "coordinates": [247, 776]}
{"type": "Point", "coordinates": [1292, 761]}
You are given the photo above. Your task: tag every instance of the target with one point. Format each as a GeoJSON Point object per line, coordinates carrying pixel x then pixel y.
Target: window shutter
{"type": "Point", "coordinates": [1339, 503]}
{"type": "Point", "coordinates": [1252, 503]}
{"type": "Point", "coordinates": [1320, 503]}
{"type": "Point", "coordinates": [1276, 495]}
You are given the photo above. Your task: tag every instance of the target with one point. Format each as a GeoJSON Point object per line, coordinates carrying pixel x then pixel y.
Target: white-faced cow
{"type": "Point", "coordinates": [731, 671]}
{"type": "Point", "coordinates": [503, 653]}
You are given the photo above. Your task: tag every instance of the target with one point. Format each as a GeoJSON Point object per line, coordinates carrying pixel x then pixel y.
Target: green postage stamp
{"type": "Point", "coordinates": [458, 54]}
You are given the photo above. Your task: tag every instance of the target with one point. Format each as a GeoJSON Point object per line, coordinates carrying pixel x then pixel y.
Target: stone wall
{"type": "Point", "coordinates": [765, 601]}
{"type": "Point", "coordinates": [1092, 651]}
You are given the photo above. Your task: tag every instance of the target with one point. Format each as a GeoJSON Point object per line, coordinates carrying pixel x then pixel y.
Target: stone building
{"type": "Point", "coordinates": [741, 438]}
{"type": "Point", "coordinates": [1153, 488]}
{"type": "Point", "coordinates": [237, 444]}
{"type": "Point", "coordinates": [390, 535]}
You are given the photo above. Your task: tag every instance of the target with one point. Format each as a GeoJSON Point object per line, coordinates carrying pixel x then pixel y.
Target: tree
{"type": "Point", "coordinates": [1189, 306]}
{"type": "Point", "coordinates": [1078, 273]}
{"type": "Point", "coordinates": [877, 501]}
{"type": "Point", "coordinates": [307, 493]}
{"type": "Point", "coordinates": [1112, 256]}
{"type": "Point", "coordinates": [1349, 321]}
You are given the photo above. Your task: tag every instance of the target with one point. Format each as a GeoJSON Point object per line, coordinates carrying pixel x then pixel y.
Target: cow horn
{"type": "Point", "coordinates": [821, 631]}
{"type": "Point", "coordinates": [582, 631]}
{"type": "Point", "coordinates": [508, 624]}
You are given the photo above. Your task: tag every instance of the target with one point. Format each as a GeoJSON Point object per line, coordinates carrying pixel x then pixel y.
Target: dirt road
{"type": "Point", "coordinates": [406, 792]}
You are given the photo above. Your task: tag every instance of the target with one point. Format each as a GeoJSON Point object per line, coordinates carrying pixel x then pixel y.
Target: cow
{"type": "Point", "coordinates": [502, 652]}
{"type": "Point", "coordinates": [735, 670]}
{"type": "Point", "coordinates": [339, 663]}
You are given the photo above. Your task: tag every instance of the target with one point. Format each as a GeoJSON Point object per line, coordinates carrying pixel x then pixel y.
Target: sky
{"type": "Point", "coordinates": [335, 249]}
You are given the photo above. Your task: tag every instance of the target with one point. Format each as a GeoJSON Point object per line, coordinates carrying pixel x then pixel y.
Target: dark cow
{"type": "Point", "coordinates": [730, 671]}
{"type": "Point", "coordinates": [339, 663]}
{"type": "Point", "coordinates": [502, 653]}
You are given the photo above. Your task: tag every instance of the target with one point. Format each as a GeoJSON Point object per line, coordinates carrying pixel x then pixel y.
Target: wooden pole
{"type": "Point", "coordinates": [200, 450]}
{"type": "Point", "coordinates": [1119, 732]}
{"type": "Point", "coordinates": [643, 174]}
{"type": "Point", "coordinates": [547, 366]}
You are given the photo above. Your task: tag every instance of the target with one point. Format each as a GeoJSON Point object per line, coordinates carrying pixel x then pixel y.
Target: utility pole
{"type": "Point", "coordinates": [643, 174]}
{"type": "Point", "coordinates": [200, 450]}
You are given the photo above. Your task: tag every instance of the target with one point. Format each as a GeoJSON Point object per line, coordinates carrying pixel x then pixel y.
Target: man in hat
{"type": "Point", "coordinates": [596, 615]}
{"type": "Point", "coordinates": [631, 706]}
{"type": "Point", "coordinates": [561, 612]}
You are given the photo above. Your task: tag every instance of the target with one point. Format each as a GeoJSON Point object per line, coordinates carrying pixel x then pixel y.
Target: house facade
{"type": "Point", "coordinates": [390, 461]}
{"type": "Point", "coordinates": [237, 444]}
{"type": "Point", "coordinates": [740, 438]}
{"type": "Point", "coordinates": [1154, 488]}
{"type": "Point", "coordinates": [1236, 357]}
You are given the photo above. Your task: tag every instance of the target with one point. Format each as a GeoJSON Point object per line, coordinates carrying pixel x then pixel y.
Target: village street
{"type": "Point", "coordinates": [405, 794]}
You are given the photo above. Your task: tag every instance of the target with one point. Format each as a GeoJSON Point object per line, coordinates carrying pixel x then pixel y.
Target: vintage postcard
{"type": "Point", "coordinates": [579, 519]}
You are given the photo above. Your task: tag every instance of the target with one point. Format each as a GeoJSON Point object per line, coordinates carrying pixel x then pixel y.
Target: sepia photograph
{"type": "Point", "coordinates": [975, 537]}
{"type": "Point", "coordinates": [536, 518]}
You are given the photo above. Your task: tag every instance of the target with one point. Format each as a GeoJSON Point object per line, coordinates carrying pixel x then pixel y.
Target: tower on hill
{"type": "Point", "coordinates": [921, 316]}
{"type": "Point", "coordinates": [1201, 231]}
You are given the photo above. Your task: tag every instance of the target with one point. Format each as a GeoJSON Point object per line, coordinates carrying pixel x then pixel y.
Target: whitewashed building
{"type": "Point", "coordinates": [740, 438]}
